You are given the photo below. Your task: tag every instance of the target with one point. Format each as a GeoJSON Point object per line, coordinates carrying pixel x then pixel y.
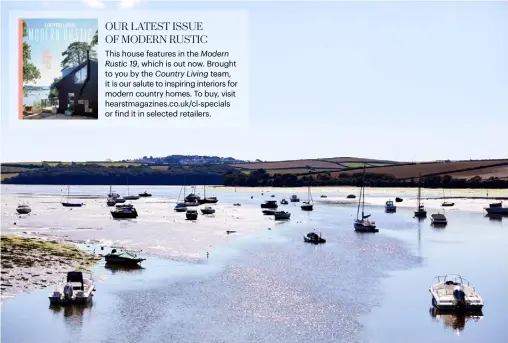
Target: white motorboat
{"type": "Point", "coordinates": [496, 208]}
{"type": "Point", "coordinates": [390, 207]}
{"type": "Point", "coordinates": [76, 289]}
{"type": "Point", "coordinates": [23, 209]}
{"type": "Point", "coordinates": [454, 293]}
{"type": "Point", "coordinates": [282, 215]}
{"type": "Point", "coordinates": [438, 219]}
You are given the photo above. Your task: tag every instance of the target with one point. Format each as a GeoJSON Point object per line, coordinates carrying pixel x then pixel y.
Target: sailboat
{"type": "Point", "coordinates": [446, 203]}
{"type": "Point", "coordinates": [308, 205]}
{"type": "Point", "coordinates": [420, 209]}
{"type": "Point", "coordinates": [128, 196]}
{"type": "Point", "coordinates": [205, 200]}
{"type": "Point", "coordinates": [68, 203]}
{"type": "Point", "coordinates": [363, 224]}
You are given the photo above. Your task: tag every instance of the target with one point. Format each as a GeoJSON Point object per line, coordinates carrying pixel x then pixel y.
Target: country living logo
{"type": "Point", "coordinates": [54, 32]}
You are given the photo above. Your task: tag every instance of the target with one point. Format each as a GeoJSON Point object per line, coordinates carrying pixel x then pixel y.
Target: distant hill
{"type": "Point", "coordinates": [463, 169]}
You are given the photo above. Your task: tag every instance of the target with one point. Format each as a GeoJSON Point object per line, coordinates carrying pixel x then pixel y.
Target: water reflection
{"type": "Point", "coordinates": [495, 217]}
{"type": "Point", "coordinates": [455, 321]}
{"type": "Point", "coordinates": [73, 314]}
{"type": "Point", "coordinates": [118, 268]}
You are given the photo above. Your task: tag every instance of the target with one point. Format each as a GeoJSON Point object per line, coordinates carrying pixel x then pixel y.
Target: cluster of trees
{"type": "Point", "coordinates": [93, 174]}
{"type": "Point", "coordinates": [260, 178]}
{"type": "Point", "coordinates": [188, 159]}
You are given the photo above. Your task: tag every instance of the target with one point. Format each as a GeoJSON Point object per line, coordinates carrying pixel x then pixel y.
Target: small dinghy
{"type": "Point", "coordinates": [181, 207]}
{"type": "Point", "coordinates": [351, 196]}
{"type": "Point", "coordinates": [272, 204]}
{"type": "Point", "coordinates": [191, 215]}
{"type": "Point", "coordinates": [208, 210]}
{"type": "Point", "coordinates": [397, 199]}
{"type": "Point", "coordinates": [438, 219]}
{"type": "Point", "coordinates": [454, 293]}
{"type": "Point", "coordinates": [124, 212]}
{"type": "Point", "coordinates": [23, 209]}
{"type": "Point", "coordinates": [314, 238]}
{"type": "Point", "coordinates": [76, 289]}
{"type": "Point", "coordinates": [390, 207]}
{"type": "Point", "coordinates": [284, 202]}
{"type": "Point", "coordinates": [282, 215]}
{"type": "Point", "coordinates": [124, 258]}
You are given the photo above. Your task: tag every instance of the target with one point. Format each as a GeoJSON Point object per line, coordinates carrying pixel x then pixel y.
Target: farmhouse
{"type": "Point", "coordinates": [78, 90]}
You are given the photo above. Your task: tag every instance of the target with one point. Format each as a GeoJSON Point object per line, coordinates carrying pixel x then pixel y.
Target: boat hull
{"type": "Point", "coordinates": [312, 241]}
{"type": "Point", "coordinates": [191, 216]}
{"type": "Point", "coordinates": [270, 206]}
{"type": "Point", "coordinates": [467, 307]}
{"type": "Point", "coordinates": [23, 211]}
{"type": "Point", "coordinates": [390, 209]}
{"type": "Point", "coordinates": [121, 215]}
{"type": "Point", "coordinates": [70, 301]}
{"type": "Point", "coordinates": [69, 204]}
{"type": "Point", "coordinates": [497, 210]}
{"type": "Point", "coordinates": [307, 207]}
{"type": "Point", "coordinates": [207, 212]}
{"type": "Point", "coordinates": [365, 228]}
{"type": "Point", "coordinates": [122, 260]}
{"type": "Point", "coordinates": [181, 209]}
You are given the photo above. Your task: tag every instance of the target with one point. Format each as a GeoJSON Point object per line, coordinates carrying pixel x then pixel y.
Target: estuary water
{"type": "Point", "coordinates": [262, 283]}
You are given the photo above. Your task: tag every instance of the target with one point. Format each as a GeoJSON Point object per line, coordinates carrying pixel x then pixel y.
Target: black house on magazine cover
{"type": "Point", "coordinates": [78, 90]}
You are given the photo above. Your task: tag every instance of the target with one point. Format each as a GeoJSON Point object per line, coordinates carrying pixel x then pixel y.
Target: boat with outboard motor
{"type": "Point", "coordinates": [454, 293]}
{"type": "Point", "coordinates": [77, 288]}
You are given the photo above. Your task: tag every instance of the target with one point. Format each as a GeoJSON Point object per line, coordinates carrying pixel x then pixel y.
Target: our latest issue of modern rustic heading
{"type": "Point", "coordinates": [175, 26]}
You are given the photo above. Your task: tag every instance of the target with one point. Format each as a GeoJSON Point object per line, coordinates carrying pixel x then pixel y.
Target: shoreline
{"type": "Point", "coordinates": [30, 263]}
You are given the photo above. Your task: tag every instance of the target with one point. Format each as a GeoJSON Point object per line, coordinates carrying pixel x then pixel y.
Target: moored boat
{"type": "Point", "coordinates": [294, 198]}
{"type": "Point", "coordinates": [122, 257]}
{"type": "Point", "coordinates": [181, 207]}
{"type": "Point", "coordinates": [390, 207]}
{"type": "Point", "coordinates": [23, 209]}
{"type": "Point", "coordinates": [270, 204]}
{"type": "Point", "coordinates": [191, 214]}
{"type": "Point", "coordinates": [438, 219]}
{"type": "Point", "coordinates": [269, 212]}
{"type": "Point", "coordinates": [144, 194]}
{"type": "Point", "coordinates": [420, 209]}
{"type": "Point", "coordinates": [314, 238]}
{"type": "Point", "coordinates": [496, 208]}
{"type": "Point", "coordinates": [124, 212]}
{"type": "Point", "coordinates": [308, 205]}
{"type": "Point", "coordinates": [76, 289]}
{"type": "Point", "coordinates": [68, 203]}
{"type": "Point", "coordinates": [454, 293]}
{"type": "Point", "coordinates": [282, 215]}
{"type": "Point", "coordinates": [208, 210]}
{"type": "Point", "coordinates": [284, 202]}
{"type": "Point", "coordinates": [363, 224]}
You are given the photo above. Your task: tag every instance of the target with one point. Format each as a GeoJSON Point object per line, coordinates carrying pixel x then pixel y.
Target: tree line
{"type": "Point", "coordinates": [92, 174]}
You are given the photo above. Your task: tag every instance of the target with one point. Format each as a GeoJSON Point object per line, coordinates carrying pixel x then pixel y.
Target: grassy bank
{"type": "Point", "coordinates": [31, 263]}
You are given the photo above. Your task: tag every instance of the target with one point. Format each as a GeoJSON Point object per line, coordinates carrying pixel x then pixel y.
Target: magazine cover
{"type": "Point", "coordinates": [254, 171]}
{"type": "Point", "coordinates": [58, 65]}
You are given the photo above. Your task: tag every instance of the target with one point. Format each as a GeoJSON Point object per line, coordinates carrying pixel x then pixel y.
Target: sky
{"type": "Point", "coordinates": [408, 81]}
{"type": "Point", "coordinates": [48, 38]}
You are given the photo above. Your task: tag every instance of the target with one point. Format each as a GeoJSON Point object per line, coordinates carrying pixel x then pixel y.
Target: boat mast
{"type": "Point", "coordinates": [68, 192]}
{"type": "Point", "coordinates": [361, 193]}
{"type": "Point", "coordinates": [419, 191]}
{"type": "Point", "coordinates": [204, 188]}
